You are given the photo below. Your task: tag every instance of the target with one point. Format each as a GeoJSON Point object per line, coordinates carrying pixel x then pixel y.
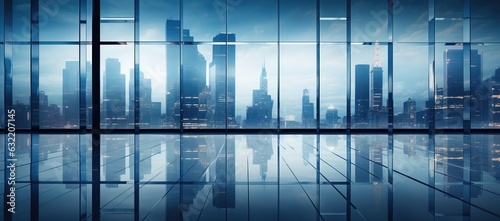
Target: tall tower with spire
{"type": "Point", "coordinates": [259, 115]}
{"type": "Point", "coordinates": [376, 81]}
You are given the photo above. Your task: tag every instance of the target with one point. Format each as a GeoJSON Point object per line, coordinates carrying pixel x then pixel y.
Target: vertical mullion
{"type": "Point", "coordinates": [318, 65]}
{"type": "Point", "coordinates": [35, 111]}
{"type": "Point", "coordinates": [96, 114]}
{"type": "Point", "coordinates": [82, 156]}
{"type": "Point", "coordinates": [467, 120]}
{"type": "Point", "coordinates": [34, 176]}
{"type": "Point", "coordinates": [430, 105]}
{"type": "Point", "coordinates": [8, 88]}
{"type": "Point", "coordinates": [34, 45]}
{"type": "Point", "coordinates": [82, 20]}
{"type": "Point", "coordinates": [348, 66]}
{"type": "Point", "coordinates": [136, 109]}
{"type": "Point", "coordinates": [390, 107]}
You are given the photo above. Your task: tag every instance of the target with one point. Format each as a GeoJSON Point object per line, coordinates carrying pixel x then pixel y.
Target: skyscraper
{"type": "Point", "coordinates": [114, 95]}
{"type": "Point", "coordinates": [222, 80]}
{"type": "Point", "coordinates": [193, 78]}
{"type": "Point", "coordinates": [361, 93]}
{"type": "Point", "coordinates": [493, 99]}
{"type": "Point", "coordinates": [376, 82]}
{"type": "Point", "coordinates": [453, 86]}
{"type": "Point", "coordinates": [260, 113]}
{"type": "Point", "coordinates": [409, 113]}
{"type": "Point", "coordinates": [173, 36]}
{"type": "Point", "coordinates": [71, 106]}
{"type": "Point", "coordinates": [307, 110]}
{"type": "Point", "coordinates": [145, 103]}
{"type": "Point", "coordinates": [332, 116]}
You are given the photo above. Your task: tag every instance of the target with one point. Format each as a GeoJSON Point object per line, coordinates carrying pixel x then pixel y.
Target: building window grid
{"type": "Point", "coordinates": [35, 43]}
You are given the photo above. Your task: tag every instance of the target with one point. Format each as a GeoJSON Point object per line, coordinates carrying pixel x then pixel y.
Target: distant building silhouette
{"type": "Point", "coordinates": [332, 116]}
{"type": "Point", "coordinates": [409, 113]}
{"type": "Point", "coordinates": [260, 113]}
{"type": "Point", "coordinates": [453, 87]}
{"type": "Point", "coordinates": [493, 99]}
{"type": "Point", "coordinates": [113, 114]}
{"type": "Point", "coordinates": [307, 110]}
{"type": "Point", "coordinates": [222, 81]}
{"type": "Point", "coordinates": [71, 104]}
{"type": "Point", "coordinates": [361, 94]}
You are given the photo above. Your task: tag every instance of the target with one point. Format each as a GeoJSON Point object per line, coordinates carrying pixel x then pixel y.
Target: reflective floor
{"type": "Point", "coordinates": [254, 177]}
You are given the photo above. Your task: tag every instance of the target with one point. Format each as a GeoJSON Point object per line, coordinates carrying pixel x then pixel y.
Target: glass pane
{"type": "Point", "coordinates": [298, 86]}
{"type": "Point", "coordinates": [152, 84]}
{"type": "Point", "coordinates": [297, 20]}
{"type": "Point", "coordinates": [410, 82]}
{"type": "Point", "coordinates": [21, 85]}
{"type": "Point", "coordinates": [449, 31]}
{"type": "Point", "coordinates": [411, 21]}
{"type": "Point", "coordinates": [257, 85]}
{"type": "Point", "coordinates": [21, 25]}
{"type": "Point", "coordinates": [333, 31]}
{"type": "Point", "coordinates": [369, 20]}
{"type": "Point", "coordinates": [116, 62]}
{"type": "Point", "coordinates": [485, 9]}
{"type": "Point", "coordinates": [59, 20]}
{"type": "Point", "coordinates": [333, 86]}
{"type": "Point", "coordinates": [204, 18]}
{"type": "Point", "coordinates": [369, 86]}
{"type": "Point", "coordinates": [449, 8]}
{"type": "Point", "coordinates": [117, 8]}
{"type": "Point", "coordinates": [253, 20]}
{"type": "Point", "coordinates": [333, 8]}
{"type": "Point", "coordinates": [485, 30]}
{"type": "Point", "coordinates": [59, 72]}
{"type": "Point", "coordinates": [117, 31]}
{"type": "Point", "coordinates": [153, 16]}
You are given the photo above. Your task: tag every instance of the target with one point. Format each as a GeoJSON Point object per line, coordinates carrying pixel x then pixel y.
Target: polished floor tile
{"type": "Point", "coordinates": [254, 177]}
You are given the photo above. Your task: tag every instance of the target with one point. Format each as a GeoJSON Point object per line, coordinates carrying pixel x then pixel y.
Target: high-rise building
{"type": "Point", "coordinates": [453, 87]}
{"type": "Point", "coordinates": [332, 116]}
{"type": "Point", "coordinates": [193, 78]}
{"type": "Point", "coordinates": [307, 110]}
{"type": "Point", "coordinates": [409, 113]}
{"type": "Point", "coordinates": [361, 94]}
{"type": "Point", "coordinates": [376, 82]}
{"type": "Point", "coordinates": [71, 105]}
{"type": "Point", "coordinates": [144, 99]}
{"type": "Point", "coordinates": [222, 80]}
{"type": "Point", "coordinates": [260, 113]}
{"type": "Point", "coordinates": [173, 36]}
{"type": "Point", "coordinates": [493, 99]}
{"type": "Point", "coordinates": [114, 95]}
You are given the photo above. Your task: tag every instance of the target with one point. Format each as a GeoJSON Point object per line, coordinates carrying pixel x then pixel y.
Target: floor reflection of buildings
{"type": "Point", "coordinates": [368, 158]}
{"type": "Point", "coordinates": [70, 162]}
{"type": "Point", "coordinates": [203, 160]}
{"type": "Point", "coordinates": [307, 147]}
{"type": "Point", "coordinates": [451, 160]}
{"type": "Point", "coordinates": [262, 151]}
{"type": "Point", "coordinates": [114, 158]}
